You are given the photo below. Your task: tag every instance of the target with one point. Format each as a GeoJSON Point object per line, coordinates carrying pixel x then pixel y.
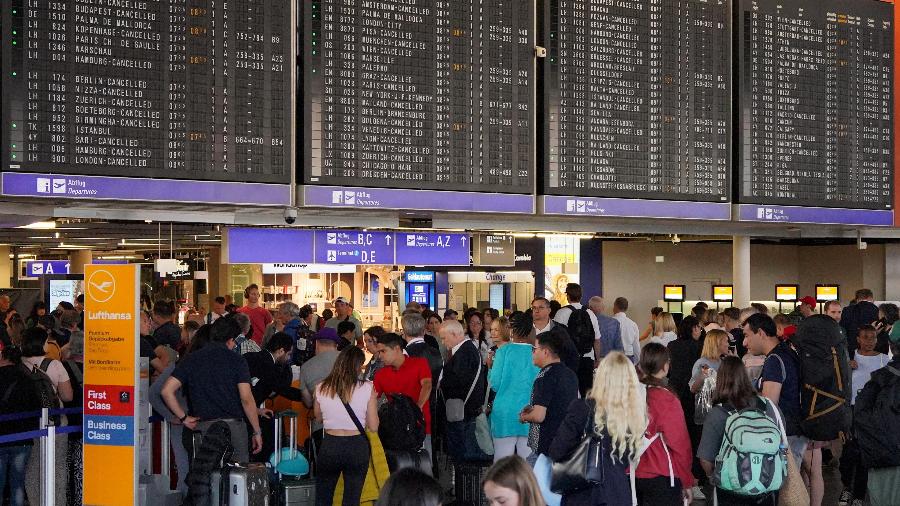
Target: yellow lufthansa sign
{"type": "Point", "coordinates": [786, 293]}
{"type": "Point", "coordinates": [673, 293]}
{"type": "Point", "coordinates": [111, 370]}
{"type": "Point", "coordinates": [723, 293]}
{"type": "Point", "coordinates": [825, 293]}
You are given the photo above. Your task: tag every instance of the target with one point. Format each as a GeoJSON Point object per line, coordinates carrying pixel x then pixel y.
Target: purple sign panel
{"type": "Point", "coordinates": [354, 247]}
{"type": "Point", "coordinates": [19, 184]}
{"type": "Point", "coordinates": [40, 267]}
{"type": "Point", "coordinates": [819, 215]}
{"type": "Point", "coordinates": [432, 249]}
{"type": "Point", "coordinates": [634, 208]}
{"type": "Point", "coordinates": [425, 200]}
{"type": "Point", "coordinates": [269, 246]}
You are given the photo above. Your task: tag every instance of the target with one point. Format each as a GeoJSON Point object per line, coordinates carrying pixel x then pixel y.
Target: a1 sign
{"type": "Point", "coordinates": [35, 268]}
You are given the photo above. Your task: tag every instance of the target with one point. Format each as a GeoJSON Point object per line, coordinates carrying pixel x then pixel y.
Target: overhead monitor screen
{"type": "Point", "coordinates": [174, 89]}
{"type": "Point", "coordinates": [422, 94]}
{"type": "Point", "coordinates": [816, 102]}
{"type": "Point", "coordinates": [638, 98]}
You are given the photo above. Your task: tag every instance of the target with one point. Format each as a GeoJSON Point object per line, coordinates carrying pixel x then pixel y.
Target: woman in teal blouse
{"type": "Point", "coordinates": [511, 377]}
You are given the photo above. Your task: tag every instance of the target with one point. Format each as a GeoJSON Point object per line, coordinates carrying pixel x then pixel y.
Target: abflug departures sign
{"type": "Point", "coordinates": [638, 98]}
{"type": "Point", "coordinates": [816, 94]}
{"type": "Point", "coordinates": [174, 89]}
{"type": "Point", "coordinates": [419, 94]}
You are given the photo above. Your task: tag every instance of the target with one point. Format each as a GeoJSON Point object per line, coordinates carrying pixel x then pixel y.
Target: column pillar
{"type": "Point", "coordinates": [6, 268]}
{"type": "Point", "coordinates": [78, 259]}
{"type": "Point", "coordinates": [214, 267]}
{"type": "Point", "coordinates": [740, 270]}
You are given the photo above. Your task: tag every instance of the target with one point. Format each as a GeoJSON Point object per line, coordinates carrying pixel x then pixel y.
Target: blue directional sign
{"type": "Point", "coordinates": [40, 267]}
{"type": "Point", "coordinates": [354, 247]}
{"type": "Point", "coordinates": [432, 248]}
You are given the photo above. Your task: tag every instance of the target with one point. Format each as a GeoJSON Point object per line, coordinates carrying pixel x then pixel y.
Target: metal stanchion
{"type": "Point", "coordinates": [45, 471]}
{"type": "Point", "coordinates": [48, 467]}
{"type": "Point", "coordinates": [164, 448]}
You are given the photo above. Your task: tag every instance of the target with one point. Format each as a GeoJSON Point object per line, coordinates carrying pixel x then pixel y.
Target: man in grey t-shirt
{"type": "Point", "coordinates": [343, 311]}
{"type": "Point", "coordinates": [317, 368]}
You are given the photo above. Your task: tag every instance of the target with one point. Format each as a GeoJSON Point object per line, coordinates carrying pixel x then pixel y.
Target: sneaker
{"type": "Point", "coordinates": [698, 494]}
{"type": "Point", "coordinates": [846, 498]}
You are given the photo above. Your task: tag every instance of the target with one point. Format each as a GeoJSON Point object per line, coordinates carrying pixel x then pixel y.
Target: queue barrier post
{"type": "Point", "coordinates": [164, 461]}
{"type": "Point", "coordinates": [48, 467]}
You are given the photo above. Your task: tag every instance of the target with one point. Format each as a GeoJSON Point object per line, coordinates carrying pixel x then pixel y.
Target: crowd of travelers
{"type": "Point", "coordinates": [558, 404]}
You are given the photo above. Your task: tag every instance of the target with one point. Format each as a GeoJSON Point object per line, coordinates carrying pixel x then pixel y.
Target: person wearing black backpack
{"type": "Point", "coordinates": [17, 394]}
{"type": "Point", "coordinates": [543, 323]}
{"type": "Point", "coordinates": [584, 330]}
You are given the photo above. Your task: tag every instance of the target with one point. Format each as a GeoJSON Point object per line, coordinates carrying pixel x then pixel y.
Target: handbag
{"type": "Point", "coordinates": [793, 491]}
{"type": "Point", "coordinates": [456, 408]}
{"type": "Point", "coordinates": [584, 468]}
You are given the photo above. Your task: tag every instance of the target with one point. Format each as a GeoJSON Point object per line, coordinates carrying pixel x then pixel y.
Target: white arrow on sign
{"type": "Point", "coordinates": [387, 239]}
{"type": "Point", "coordinates": [463, 240]}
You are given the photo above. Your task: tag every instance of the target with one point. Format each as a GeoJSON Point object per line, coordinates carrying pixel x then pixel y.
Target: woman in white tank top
{"type": "Point", "coordinates": [345, 448]}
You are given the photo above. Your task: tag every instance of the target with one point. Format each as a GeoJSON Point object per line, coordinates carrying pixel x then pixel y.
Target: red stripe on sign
{"type": "Point", "coordinates": [110, 400]}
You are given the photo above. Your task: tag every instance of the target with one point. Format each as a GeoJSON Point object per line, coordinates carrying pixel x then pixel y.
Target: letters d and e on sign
{"type": "Point", "coordinates": [111, 373]}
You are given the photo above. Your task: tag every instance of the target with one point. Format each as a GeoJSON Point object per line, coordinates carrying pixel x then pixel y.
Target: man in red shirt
{"type": "Point", "coordinates": [259, 316]}
{"type": "Point", "coordinates": [410, 376]}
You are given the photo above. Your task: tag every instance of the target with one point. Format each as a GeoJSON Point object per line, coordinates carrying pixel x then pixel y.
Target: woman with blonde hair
{"type": "Point", "coordinates": [616, 410]}
{"type": "Point", "coordinates": [510, 482]}
{"type": "Point", "coordinates": [715, 346]}
{"type": "Point", "coordinates": [664, 329]}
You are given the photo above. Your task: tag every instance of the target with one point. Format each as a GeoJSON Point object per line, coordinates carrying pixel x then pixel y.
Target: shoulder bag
{"type": "Point", "coordinates": [584, 468]}
{"type": "Point", "coordinates": [456, 408]}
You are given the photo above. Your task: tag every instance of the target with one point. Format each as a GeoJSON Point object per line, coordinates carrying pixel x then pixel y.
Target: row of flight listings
{"type": "Point", "coordinates": [589, 103]}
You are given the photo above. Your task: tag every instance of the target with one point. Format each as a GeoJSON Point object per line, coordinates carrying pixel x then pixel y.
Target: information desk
{"type": "Point", "coordinates": [176, 89]}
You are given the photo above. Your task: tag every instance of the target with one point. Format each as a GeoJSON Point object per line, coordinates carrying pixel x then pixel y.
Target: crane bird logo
{"type": "Point", "coordinates": [101, 285]}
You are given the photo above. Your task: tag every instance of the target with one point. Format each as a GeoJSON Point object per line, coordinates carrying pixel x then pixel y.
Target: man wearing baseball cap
{"type": "Point", "coordinates": [807, 306]}
{"type": "Point", "coordinates": [343, 311]}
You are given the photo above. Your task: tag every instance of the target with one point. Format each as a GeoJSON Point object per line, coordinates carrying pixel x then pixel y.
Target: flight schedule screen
{"type": "Point", "coordinates": [638, 98]}
{"type": "Point", "coordinates": [816, 121]}
{"type": "Point", "coordinates": [182, 89]}
{"type": "Point", "coordinates": [425, 94]}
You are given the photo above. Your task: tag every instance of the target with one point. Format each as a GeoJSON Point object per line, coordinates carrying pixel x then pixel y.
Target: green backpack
{"type": "Point", "coordinates": [752, 459]}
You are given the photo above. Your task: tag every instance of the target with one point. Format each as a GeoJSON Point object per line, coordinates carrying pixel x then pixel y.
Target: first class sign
{"type": "Point", "coordinates": [110, 374]}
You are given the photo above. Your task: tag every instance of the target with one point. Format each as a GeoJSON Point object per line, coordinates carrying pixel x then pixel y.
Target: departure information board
{"type": "Point", "coordinates": [182, 89]}
{"type": "Point", "coordinates": [816, 103]}
{"type": "Point", "coordinates": [639, 98]}
{"type": "Point", "coordinates": [424, 94]}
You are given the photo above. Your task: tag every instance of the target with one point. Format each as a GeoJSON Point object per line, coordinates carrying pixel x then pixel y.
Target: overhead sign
{"type": "Point", "coordinates": [419, 276]}
{"type": "Point", "coordinates": [354, 247]}
{"type": "Point", "coordinates": [786, 293]}
{"type": "Point", "coordinates": [826, 293]}
{"type": "Point", "coordinates": [307, 269]}
{"type": "Point", "coordinates": [723, 293]}
{"type": "Point", "coordinates": [414, 248]}
{"type": "Point", "coordinates": [111, 373]}
{"type": "Point", "coordinates": [673, 293]}
{"type": "Point", "coordinates": [268, 245]}
{"type": "Point", "coordinates": [495, 250]}
{"type": "Point", "coordinates": [35, 268]}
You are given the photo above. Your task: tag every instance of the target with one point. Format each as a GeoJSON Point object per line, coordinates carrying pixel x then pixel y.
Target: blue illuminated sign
{"type": "Point", "coordinates": [419, 276]}
{"type": "Point", "coordinates": [432, 249]}
{"type": "Point", "coordinates": [354, 247]}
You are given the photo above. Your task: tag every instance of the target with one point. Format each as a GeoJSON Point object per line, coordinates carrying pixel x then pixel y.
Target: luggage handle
{"type": "Point", "coordinates": [292, 435]}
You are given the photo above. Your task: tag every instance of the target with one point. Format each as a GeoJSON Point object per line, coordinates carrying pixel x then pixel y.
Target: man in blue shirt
{"type": "Point", "coordinates": [610, 331]}
{"type": "Point", "coordinates": [218, 389]}
{"type": "Point", "coordinates": [780, 378]}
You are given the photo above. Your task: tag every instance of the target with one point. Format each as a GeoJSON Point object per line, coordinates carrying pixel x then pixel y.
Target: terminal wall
{"type": "Point", "coordinates": [630, 269]}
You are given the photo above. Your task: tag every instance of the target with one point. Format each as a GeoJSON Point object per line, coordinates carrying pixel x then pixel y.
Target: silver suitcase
{"type": "Point", "coordinates": [242, 485]}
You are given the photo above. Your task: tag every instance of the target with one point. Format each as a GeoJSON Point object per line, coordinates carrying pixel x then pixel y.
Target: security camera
{"type": "Point", "coordinates": [290, 215]}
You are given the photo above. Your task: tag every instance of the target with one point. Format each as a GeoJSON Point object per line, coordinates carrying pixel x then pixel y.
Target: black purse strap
{"type": "Point", "coordinates": [359, 425]}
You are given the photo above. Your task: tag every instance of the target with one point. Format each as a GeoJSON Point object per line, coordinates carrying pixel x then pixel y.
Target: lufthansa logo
{"type": "Point", "coordinates": [101, 285]}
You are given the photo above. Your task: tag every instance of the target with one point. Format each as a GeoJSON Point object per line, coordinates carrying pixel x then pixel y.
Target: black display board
{"type": "Point", "coordinates": [424, 94]}
{"type": "Point", "coordinates": [638, 98]}
{"type": "Point", "coordinates": [816, 98]}
{"type": "Point", "coordinates": [183, 89]}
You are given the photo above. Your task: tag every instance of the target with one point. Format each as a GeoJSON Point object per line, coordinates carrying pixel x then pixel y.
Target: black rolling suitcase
{"type": "Point", "coordinates": [467, 485]}
{"type": "Point", "coordinates": [291, 490]}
